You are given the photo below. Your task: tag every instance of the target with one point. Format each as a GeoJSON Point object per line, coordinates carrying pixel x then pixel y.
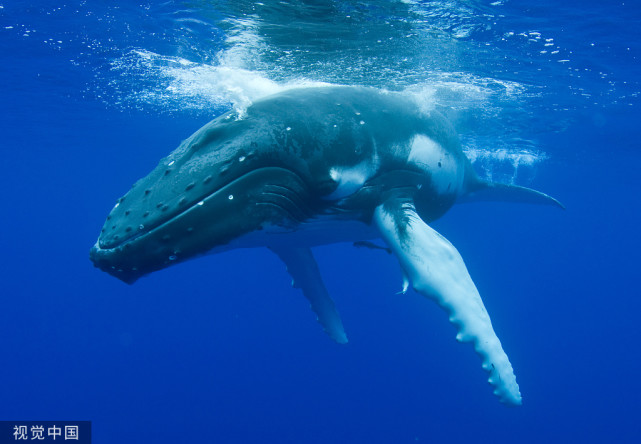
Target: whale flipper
{"type": "Point", "coordinates": [436, 270]}
{"type": "Point", "coordinates": [302, 267]}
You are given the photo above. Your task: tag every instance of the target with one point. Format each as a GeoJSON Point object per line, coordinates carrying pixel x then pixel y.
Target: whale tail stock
{"type": "Point", "coordinates": [479, 190]}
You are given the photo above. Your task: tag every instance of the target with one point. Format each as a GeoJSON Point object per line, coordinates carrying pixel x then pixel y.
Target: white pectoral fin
{"type": "Point", "coordinates": [436, 270]}
{"type": "Point", "coordinates": [302, 266]}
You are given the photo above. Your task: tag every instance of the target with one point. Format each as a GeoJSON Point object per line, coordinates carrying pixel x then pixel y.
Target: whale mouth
{"type": "Point", "coordinates": [142, 216]}
{"type": "Point", "coordinates": [267, 195]}
{"type": "Point", "coordinates": [116, 242]}
{"type": "Point", "coordinates": [128, 258]}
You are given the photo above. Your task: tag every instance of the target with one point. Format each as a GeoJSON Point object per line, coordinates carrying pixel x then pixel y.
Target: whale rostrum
{"type": "Point", "coordinates": [314, 166]}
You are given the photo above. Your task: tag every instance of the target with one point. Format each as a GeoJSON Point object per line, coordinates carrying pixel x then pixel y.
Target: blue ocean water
{"type": "Point", "coordinates": [222, 349]}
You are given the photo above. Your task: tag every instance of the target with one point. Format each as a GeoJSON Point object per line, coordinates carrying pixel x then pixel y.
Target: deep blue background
{"type": "Point", "coordinates": [223, 350]}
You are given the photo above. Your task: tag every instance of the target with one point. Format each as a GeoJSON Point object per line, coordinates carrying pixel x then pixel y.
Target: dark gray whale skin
{"type": "Point", "coordinates": [313, 166]}
{"type": "Point", "coordinates": [275, 162]}
{"type": "Point", "coordinates": [273, 168]}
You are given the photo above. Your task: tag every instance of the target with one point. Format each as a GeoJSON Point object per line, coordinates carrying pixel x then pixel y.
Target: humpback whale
{"type": "Point", "coordinates": [313, 166]}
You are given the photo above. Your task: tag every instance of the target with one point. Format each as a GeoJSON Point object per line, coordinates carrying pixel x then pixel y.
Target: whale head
{"type": "Point", "coordinates": [212, 191]}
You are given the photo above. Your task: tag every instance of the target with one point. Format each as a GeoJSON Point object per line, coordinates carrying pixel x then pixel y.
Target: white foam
{"type": "Point", "coordinates": [464, 91]}
{"type": "Point", "coordinates": [197, 86]}
{"type": "Point", "coordinates": [504, 164]}
{"type": "Point", "coordinates": [514, 157]}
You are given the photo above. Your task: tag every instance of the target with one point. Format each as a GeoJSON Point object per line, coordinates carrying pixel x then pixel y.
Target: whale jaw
{"type": "Point", "coordinates": [263, 198]}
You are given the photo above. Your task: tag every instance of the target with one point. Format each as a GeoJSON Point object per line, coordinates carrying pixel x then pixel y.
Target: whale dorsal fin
{"type": "Point", "coordinates": [304, 271]}
{"type": "Point", "coordinates": [436, 270]}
